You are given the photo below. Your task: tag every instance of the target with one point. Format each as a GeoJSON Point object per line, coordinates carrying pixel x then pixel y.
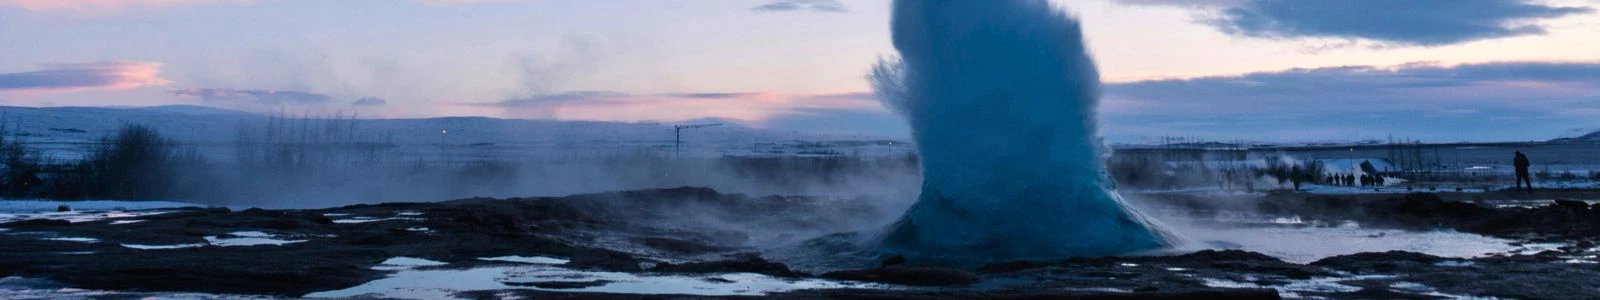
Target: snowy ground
{"type": "Point", "coordinates": [82, 211]}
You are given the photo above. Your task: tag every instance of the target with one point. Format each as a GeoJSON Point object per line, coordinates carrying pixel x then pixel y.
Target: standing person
{"type": "Point", "coordinates": [1521, 162]}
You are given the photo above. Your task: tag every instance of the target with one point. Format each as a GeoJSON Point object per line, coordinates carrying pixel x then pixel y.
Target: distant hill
{"type": "Point", "coordinates": [1592, 137]}
{"type": "Point", "coordinates": [65, 131]}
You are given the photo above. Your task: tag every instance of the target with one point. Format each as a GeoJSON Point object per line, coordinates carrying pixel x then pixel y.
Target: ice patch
{"type": "Point", "coordinates": [162, 247]}
{"type": "Point", "coordinates": [82, 211]}
{"type": "Point", "coordinates": [411, 262]}
{"type": "Point", "coordinates": [1454, 263]}
{"type": "Point", "coordinates": [120, 222]}
{"type": "Point", "coordinates": [358, 220]}
{"type": "Point", "coordinates": [529, 260]}
{"type": "Point", "coordinates": [409, 213]}
{"type": "Point", "coordinates": [74, 239]}
{"type": "Point", "coordinates": [441, 284]}
{"type": "Point", "coordinates": [23, 206]}
{"type": "Point", "coordinates": [1288, 221]}
{"type": "Point", "coordinates": [1411, 286]}
{"type": "Point", "coordinates": [248, 238]}
{"type": "Point", "coordinates": [1319, 284]}
{"type": "Point", "coordinates": [31, 288]}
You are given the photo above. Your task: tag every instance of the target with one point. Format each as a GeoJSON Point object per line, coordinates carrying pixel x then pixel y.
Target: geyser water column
{"type": "Point", "coordinates": [1001, 96]}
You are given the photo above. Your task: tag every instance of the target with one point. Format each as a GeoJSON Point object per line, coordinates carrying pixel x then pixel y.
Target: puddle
{"type": "Point", "coordinates": [1318, 242]}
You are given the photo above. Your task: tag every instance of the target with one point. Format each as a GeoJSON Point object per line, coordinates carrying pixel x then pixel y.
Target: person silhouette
{"type": "Point", "coordinates": [1521, 163]}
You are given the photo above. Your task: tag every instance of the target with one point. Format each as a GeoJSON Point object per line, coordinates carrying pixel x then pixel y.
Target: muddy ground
{"type": "Point", "coordinates": [700, 231]}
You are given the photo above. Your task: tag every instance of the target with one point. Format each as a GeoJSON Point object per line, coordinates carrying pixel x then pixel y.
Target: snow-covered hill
{"type": "Point", "coordinates": [64, 132]}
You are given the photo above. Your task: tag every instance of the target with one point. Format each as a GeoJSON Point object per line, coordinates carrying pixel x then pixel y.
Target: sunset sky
{"type": "Point", "coordinates": [1271, 70]}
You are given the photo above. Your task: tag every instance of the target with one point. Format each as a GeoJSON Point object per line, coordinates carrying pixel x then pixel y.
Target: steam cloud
{"type": "Point", "coordinates": [1001, 99]}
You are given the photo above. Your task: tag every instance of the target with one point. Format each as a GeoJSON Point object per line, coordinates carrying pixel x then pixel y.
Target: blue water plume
{"type": "Point", "coordinates": [1001, 96]}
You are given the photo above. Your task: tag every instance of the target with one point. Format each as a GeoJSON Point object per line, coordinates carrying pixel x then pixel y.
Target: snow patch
{"type": "Point", "coordinates": [528, 259]}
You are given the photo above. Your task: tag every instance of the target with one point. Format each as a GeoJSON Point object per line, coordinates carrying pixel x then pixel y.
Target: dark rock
{"type": "Point", "coordinates": [923, 276]}
{"type": "Point", "coordinates": [320, 219]}
{"type": "Point", "coordinates": [1011, 266]}
{"type": "Point", "coordinates": [681, 246]}
{"type": "Point", "coordinates": [37, 223]}
{"type": "Point", "coordinates": [750, 265]}
{"type": "Point", "coordinates": [893, 261]}
{"type": "Point", "coordinates": [605, 260]}
{"type": "Point", "coordinates": [1228, 255]}
{"type": "Point", "coordinates": [1572, 204]}
{"type": "Point", "coordinates": [1378, 261]}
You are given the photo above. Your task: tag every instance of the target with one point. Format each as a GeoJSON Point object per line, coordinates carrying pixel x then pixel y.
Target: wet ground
{"type": "Point", "coordinates": [695, 242]}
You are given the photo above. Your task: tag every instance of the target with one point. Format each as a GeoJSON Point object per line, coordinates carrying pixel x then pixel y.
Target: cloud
{"type": "Point", "coordinates": [617, 106]}
{"type": "Point", "coordinates": [1418, 99]}
{"type": "Point", "coordinates": [114, 5]}
{"type": "Point", "coordinates": [271, 98]}
{"type": "Point", "coordinates": [73, 77]}
{"type": "Point", "coordinates": [104, 5]}
{"type": "Point", "coordinates": [1411, 22]}
{"type": "Point", "coordinates": [370, 101]}
{"type": "Point", "coordinates": [460, 2]}
{"type": "Point", "coordinates": [828, 6]}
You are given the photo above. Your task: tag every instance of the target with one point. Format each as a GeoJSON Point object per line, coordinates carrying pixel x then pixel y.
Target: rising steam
{"type": "Point", "coordinates": [1001, 97]}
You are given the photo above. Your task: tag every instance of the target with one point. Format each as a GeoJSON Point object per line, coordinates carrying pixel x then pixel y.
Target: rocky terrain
{"type": "Point", "coordinates": [700, 232]}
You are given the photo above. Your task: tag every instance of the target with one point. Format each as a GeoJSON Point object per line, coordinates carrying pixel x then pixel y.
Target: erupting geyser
{"type": "Point", "coordinates": [1001, 97]}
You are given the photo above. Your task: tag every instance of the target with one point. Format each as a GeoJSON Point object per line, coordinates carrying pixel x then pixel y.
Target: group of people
{"type": "Point", "coordinates": [1355, 180]}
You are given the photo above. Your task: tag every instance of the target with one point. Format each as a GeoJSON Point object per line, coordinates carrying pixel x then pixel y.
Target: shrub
{"type": "Point", "coordinates": [135, 163]}
{"type": "Point", "coordinates": [19, 168]}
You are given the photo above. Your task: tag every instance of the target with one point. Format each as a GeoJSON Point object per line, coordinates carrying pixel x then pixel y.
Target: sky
{"type": "Point", "coordinates": [1257, 70]}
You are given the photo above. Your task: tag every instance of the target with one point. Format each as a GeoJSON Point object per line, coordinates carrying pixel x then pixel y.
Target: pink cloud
{"type": "Point", "coordinates": [114, 75]}
{"type": "Point", "coordinates": [103, 5]}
